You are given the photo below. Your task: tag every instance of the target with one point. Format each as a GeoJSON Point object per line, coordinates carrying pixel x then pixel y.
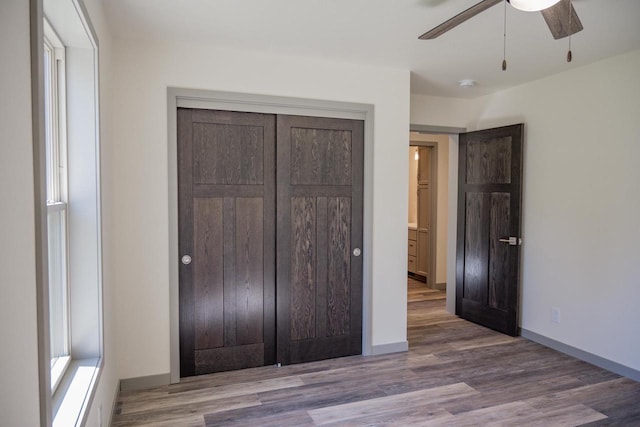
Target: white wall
{"type": "Point", "coordinates": [19, 401]}
{"type": "Point", "coordinates": [581, 200]}
{"type": "Point", "coordinates": [440, 111]}
{"type": "Point", "coordinates": [138, 173]}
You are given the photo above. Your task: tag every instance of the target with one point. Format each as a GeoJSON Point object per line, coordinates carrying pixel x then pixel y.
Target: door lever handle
{"type": "Point", "coordinates": [513, 241]}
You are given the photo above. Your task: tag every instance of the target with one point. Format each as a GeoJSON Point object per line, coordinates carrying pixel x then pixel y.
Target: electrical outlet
{"type": "Point", "coordinates": [555, 314]}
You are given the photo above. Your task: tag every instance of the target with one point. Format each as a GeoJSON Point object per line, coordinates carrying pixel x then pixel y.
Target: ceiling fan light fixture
{"type": "Point", "coordinates": [532, 5]}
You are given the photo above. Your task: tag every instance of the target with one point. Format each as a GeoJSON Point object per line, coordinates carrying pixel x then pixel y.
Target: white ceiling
{"type": "Point", "coordinates": [385, 32]}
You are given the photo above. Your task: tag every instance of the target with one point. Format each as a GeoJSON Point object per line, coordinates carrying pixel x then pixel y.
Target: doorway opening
{"type": "Point", "coordinates": [427, 226]}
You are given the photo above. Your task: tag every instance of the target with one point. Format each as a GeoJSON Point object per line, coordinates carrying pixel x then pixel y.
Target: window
{"type": "Point", "coordinates": [57, 203]}
{"type": "Point", "coordinates": [72, 173]}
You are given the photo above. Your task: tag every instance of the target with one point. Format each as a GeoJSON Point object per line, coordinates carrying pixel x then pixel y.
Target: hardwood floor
{"type": "Point", "coordinates": [456, 373]}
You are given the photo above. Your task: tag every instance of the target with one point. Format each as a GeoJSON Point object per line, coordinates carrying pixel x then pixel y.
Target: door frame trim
{"type": "Point", "coordinates": [268, 104]}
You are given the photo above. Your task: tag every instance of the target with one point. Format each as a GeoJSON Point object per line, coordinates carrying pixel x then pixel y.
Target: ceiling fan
{"type": "Point", "coordinates": [560, 16]}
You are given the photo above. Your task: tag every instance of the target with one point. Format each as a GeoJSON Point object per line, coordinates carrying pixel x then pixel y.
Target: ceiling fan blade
{"type": "Point", "coordinates": [557, 17]}
{"type": "Point", "coordinates": [459, 19]}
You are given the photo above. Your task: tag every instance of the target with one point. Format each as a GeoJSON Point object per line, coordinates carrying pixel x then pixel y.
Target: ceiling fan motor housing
{"type": "Point", "coordinates": [532, 5]}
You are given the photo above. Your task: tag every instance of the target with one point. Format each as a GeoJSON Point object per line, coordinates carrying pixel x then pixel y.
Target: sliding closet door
{"type": "Point", "coordinates": [227, 224]}
{"type": "Point", "coordinates": [319, 228]}
{"type": "Point", "coordinates": [226, 198]}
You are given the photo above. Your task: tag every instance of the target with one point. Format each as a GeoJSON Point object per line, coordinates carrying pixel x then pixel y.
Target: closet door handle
{"type": "Point", "coordinates": [186, 259]}
{"type": "Point", "coordinates": [513, 241]}
{"type": "Point", "coordinates": [357, 252]}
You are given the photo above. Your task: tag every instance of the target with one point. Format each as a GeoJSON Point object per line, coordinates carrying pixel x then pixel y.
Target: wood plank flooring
{"type": "Point", "coordinates": [456, 373]}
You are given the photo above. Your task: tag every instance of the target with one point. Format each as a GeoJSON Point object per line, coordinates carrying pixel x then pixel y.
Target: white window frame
{"type": "Point", "coordinates": [71, 403]}
{"type": "Point", "coordinates": [57, 202]}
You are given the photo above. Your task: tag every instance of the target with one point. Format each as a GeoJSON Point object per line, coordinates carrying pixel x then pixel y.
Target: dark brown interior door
{"type": "Point", "coordinates": [319, 298]}
{"type": "Point", "coordinates": [226, 197]}
{"type": "Point", "coordinates": [488, 251]}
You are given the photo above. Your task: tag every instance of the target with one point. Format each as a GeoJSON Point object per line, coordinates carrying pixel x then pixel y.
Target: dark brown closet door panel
{"type": "Point", "coordinates": [208, 279]}
{"type": "Point", "coordinates": [249, 270]}
{"type": "Point", "coordinates": [229, 358]}
{"type": "Point", "coordinates": [319, 298]}
{"type": "Point", "coordinates": [215, 161]}
{"type": "Point", "coordinates": [322, 268]}
{"type": "Point", "coordinates": [303, 267]}
{"type": "Point", "coordinates": [226, 198]}
{"type": "Point", "coordinates": [339, 266]}
{"type": "Point", "coordinates": [324, 348]}
{"type": "Point", "coordinates": [320, 157]}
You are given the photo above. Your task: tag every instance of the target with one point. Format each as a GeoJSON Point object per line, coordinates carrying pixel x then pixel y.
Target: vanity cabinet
{"type": "Point", "coordinates": [412, 250]}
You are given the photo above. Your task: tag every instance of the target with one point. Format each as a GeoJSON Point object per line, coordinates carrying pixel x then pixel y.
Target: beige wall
{"type": "Point", "coordinates": [139, 215]}
{"type": "Point", "coordinates": [581, 201]}
{"type": "Point", "coordinates": [19, 400]}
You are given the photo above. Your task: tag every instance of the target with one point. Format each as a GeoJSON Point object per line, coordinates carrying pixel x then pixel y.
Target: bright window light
{"type": "Point", "coordinates": [55, 139]}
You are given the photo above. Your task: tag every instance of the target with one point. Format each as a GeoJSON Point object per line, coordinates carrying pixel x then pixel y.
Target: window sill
{"type": "Point", "coordinates": [75, 392]}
